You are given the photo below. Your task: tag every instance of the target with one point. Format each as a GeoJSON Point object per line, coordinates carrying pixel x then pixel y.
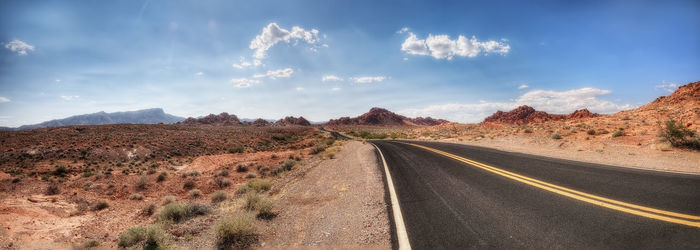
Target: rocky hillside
{"type": "Point", "coordinates": [526, 115]}
{"type": "Point", "coordinates": [383, 117]}
{"type": "Point", "coordinates": [290, 120]}
{"type": "Point", "coordinates": [145, 116]}
{"type": "Point", "coordinates": [212, 119]}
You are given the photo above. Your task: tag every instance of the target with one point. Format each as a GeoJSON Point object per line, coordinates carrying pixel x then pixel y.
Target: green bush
{"type": "Point", "coordinates": [237, 230]}
{"type": "Point", "coordinates": [590, 132]}
{"type": "Point", "coordinates": [259, 185]}
{"type": "Point", "coordinates": [176, 212]}
{"type": "Point", "coordinates": [161, 177]}
{"type": "Point", "coordinates": [241, 168]}
{"type": "Point", "coordinates": [678, 135]}
{"type": "Point", "coordinates": [152, 237]}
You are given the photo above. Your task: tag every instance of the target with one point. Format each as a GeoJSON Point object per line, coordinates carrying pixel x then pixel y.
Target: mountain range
{"type": "Point", "coordinates": [144, 116]}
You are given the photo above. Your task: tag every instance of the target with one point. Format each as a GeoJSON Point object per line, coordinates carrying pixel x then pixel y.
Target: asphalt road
{"type": "Point", "coordinates": [449, 204]}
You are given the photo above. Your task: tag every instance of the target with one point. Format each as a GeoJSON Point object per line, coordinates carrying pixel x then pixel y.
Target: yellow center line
{"type": "Point", "coordinates": [578, 195]}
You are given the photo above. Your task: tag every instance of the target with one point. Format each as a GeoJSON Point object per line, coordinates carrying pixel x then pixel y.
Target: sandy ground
{"type": "Point", "coordinates": [338, 203]}
{"type": "Point", "coordinates": [603, 152]}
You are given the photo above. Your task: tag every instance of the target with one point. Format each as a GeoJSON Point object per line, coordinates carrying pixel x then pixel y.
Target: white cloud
{"type": "Point", "coordinates": [368, 79]}
{"type": "Point", "coordinates": [19, 46]}
{"type": "Point", "coordinates": [199, 73]}
{"type": "Point", "coordinates": [331, 78]}
{"type": "Point", "coordinates": [58, 80]}
{"type": "Point", "coordinates": [523, 86]}
{"type": "Point", "coordinates": [246, 64]}
{"type": "Point", "coordinates": [335, 89]}
{"type": "Point", "coordinates": [402, 30]}
{"type": "Point", "coordinates": [69, 97]}
{"type": "Point", "coordinates": [300, 89]}
{"type": "Point", "coordinates": [244, 82]}
{"type": "Point", "coordinates": [442, 47]}
{"type": "Point", "coordinates": [668, 86]}
{"type": "Point", "coordinates": [555, 102]}
{"type": "Point", "coordinates": [274, 74]}
{"type": "Point", "coordinates": [4, 99]}
{"type": "Point", "coordinates": [273, 34]}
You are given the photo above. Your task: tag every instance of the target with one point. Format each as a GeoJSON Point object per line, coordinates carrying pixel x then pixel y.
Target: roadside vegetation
{"type": "Point", "coordinates": [678, 135]}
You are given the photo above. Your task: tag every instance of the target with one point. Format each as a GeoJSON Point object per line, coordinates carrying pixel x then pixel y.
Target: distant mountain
{"type": "Point", "coordinates": [526, 114]}
{"type": "Point", "coordinates": [144, 116]}
{"type": "Point", "coordinates": [383, 117]}
{"type": "Point", "coordinates": [291, 120]}
{"type": "Point", "coordinates": [212, 119]}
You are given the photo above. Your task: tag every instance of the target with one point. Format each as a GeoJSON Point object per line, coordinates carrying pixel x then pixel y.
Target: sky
{"type": "Point", "coordinates": [456, 60]}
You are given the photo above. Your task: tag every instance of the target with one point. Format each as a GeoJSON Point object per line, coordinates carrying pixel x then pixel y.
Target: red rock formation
{"type": "Point", "coordinates": [383, 117]}
{"type": "Point", "coordinates": [290, 120]}
{"type": "Point", "coordinates": [220, 119]}
{"type": "Point", "coordinates": [526, 114]}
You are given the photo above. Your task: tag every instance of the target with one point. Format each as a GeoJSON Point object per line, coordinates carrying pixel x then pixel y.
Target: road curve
{"type": "Point", "coordinates": [449, 204]}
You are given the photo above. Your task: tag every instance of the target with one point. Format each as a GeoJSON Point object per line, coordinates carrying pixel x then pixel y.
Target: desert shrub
{"type": "Point", "coordinates": [528, 131]}
{"type": "Point", "coordinates": [194, 209]}
{"type": "Point", "coordinates": [330, 155]}
{"type": "Point", "coordinates": [60, 171]}
{"type": "Point", "coordinates": [100, 205]}
{"type": "Point", "coordinates": [618, 133]}
{"type": "Point", "coordinates": [218, 196]}
{"type": "Point", "coordinates": [556, 136]}
{"type": "Point", "coordinates": [141, 183]}
{"type": "Point", "coordinates": [603, 132]}
{"type": "Point", "coordinates": [174, 212]}
{"type": "Point", "coordinates": [243, 189]}
{"type": "Point", "coordinates": [590, 132]}
{"type": "Point", "coordinates": [235, 149]}
{"type": "Point", "coordinates": [195, 193]}
{"type": "Point", "coordinates": [222, 173]}
{"type": "Point", "coordinates": [193, 173]}
{"type": "Point", "coordinates": [151, 171]}
{"type": "Point", "coordinates": [90, 244]}
{"type": "Point", "coordinates": [161, 177]}
{"type": "Point", "coordinates": [152, 237]}
{"type": "Point", "coordinates": [317, 149]}
{"type": "Point", "coordinates": [241, 168]}
{"type": "Point", "coordinates": [678, 135]}
{"type": "Point", "coordinates": [87, 185]}
{"type": "Point", "coordinates": [264, 208]}
{"type": "Point", "coordinates": [148, 210]}
{"type": "Point", "coordinates": [251, 200]}
{"type": "Point", "coordinates": [288, 164]}
{"type": "Point", "coordinates": [52, 189]}
{"type": "Point", "coordinates": [136, 196]}
{"type": "Point", "coordinates": [188, 184]}
{"type": "Point", "coordinates": [169, 199]}
{"type": "Point", "coordinates": [237, 231]}
{"type": "Point", "coordinates": [259, 185]}
{"type": "Point", "coordinates": [222, 182]}
{"type": "Point", "coordinates": [250, 175]}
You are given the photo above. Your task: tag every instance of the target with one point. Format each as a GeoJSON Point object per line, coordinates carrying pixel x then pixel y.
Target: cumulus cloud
{"type": "Point", "coordinates": [199, 73]}
{"type": "Point", "coordinates": [331, 78]}
{"type": "Point", "coordinates": [4, 99]}
{"type": "Point", "coordinates": [19, 46]}
{"type": "Point", "coordinates": [69, 97]}
{"type": "Point", "coordinates": [368, 79]}
{"type": "Point", "coordinates": [335, 89]}
{"type": "Point", "coordinates": [402, 30]}
{"type": "Point", "coordinates": [300, 89]}
{"type": "Point", "coordinates": [243, 63]}
{"type": "Point", "coordinates": [668, 86]}
{"type": "Point", "coordinates": [273, 34]}
{"type": "Point", "coordinates": [442, 47]}
{"type": "Point", "coordinates": [523, 86]}
{"type": "Point", "coordinates": [556, 102]}
{"type": "Point", "coordinates": [274, 74]}
{"type": "Point", "coordinates": [244, 82]}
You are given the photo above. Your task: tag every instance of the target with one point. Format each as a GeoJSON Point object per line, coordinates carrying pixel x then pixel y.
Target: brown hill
{"type": "Point", "coordinates": [526, 115]}
{"type": "Point", "coordinates": [683, 105]}
{"type": "Point", "coordinates": [383, 117]}
{"type": "Point", "coordinates": [290, 120]}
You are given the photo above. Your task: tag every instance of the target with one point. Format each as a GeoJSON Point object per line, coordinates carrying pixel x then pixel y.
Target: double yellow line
{"type": "Point", "coordinates": [648, 212]}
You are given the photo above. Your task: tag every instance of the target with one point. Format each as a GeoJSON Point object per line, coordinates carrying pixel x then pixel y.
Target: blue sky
{"type": "Point", "coordinates": [455, 60]}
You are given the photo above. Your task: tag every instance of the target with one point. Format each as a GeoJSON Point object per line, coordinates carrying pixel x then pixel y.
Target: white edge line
{"type": "Point", "coordinates": [401, 233]}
